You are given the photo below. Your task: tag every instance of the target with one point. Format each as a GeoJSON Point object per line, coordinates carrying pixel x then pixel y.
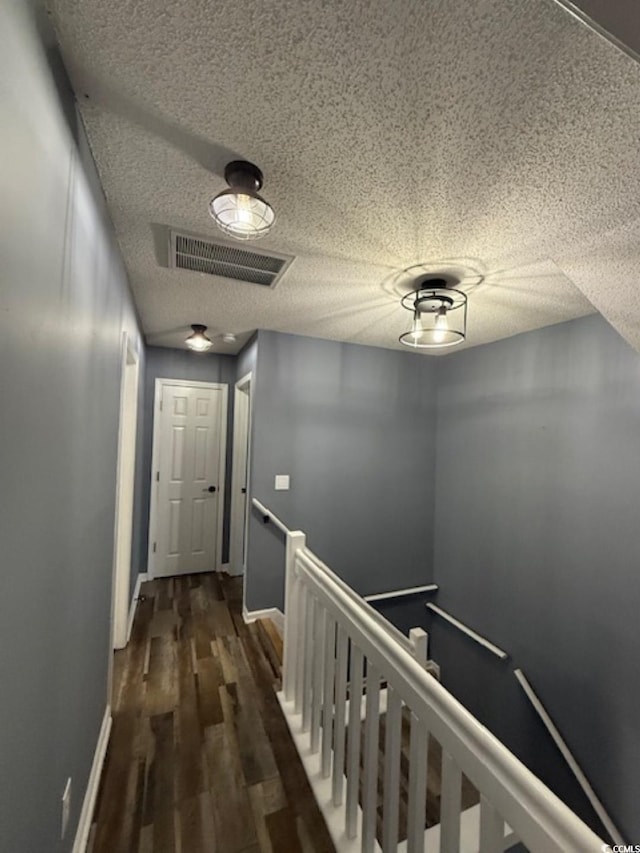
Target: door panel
{"type": "Point", "coordinates": [189, 436]}
{"type": "Point", "coordinates": [177, 453]}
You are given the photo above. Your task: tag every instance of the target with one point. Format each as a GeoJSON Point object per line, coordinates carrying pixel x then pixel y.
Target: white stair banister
{"type": "Point", "coordinates": [515, 805]}
{"type": "Point", "coordinates": [537, 816]}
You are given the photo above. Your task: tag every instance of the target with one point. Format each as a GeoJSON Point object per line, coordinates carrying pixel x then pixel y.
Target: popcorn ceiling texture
{"type": "Point", "coordinates": [500, 134]}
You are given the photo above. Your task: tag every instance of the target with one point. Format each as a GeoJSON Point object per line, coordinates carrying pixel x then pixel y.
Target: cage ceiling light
{"type": "Point", "coordinates": [198, 341]}
{"type": "Point", "coordinates": [439, 315]}
{"type": "Point", "coordinates": [239, 211]}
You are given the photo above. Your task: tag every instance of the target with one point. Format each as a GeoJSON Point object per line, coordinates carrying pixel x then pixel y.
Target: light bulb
{"type": "Point", "coordinates": [441, 326]}
{"type": "Point", "coordinates": [417, 330]}
{"type": "Point", "coordinates": [198, 341]}
{"type": "Point", "coordinates": [243, 209]}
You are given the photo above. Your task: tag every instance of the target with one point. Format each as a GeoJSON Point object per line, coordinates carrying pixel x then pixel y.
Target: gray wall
{"type": "Point", "coordinates": [198, 367]}
{"type": "Point", "coordinates": [64, 303]}
{"type": "Point", "coordinates": [536, 546]}
{"type": "Point", "coordinates": [353, 426]}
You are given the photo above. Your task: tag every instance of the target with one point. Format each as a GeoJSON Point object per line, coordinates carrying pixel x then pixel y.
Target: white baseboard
{"type": "Point", "coordinates": [134, 601]}
{"type": "Point", "coordinates": [230, 570]}
{"type": "Point", "coordinates": [273, 613]}
{"type": "Point", "coordinates": [89, 802]}
{"type": "Point", "coordinates": [233, 571]}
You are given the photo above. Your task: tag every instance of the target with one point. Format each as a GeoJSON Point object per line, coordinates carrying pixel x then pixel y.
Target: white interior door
{"type": "Point", "coordinates": [189, 478]}
{"type": "Point", "coordinates": [240, 486]}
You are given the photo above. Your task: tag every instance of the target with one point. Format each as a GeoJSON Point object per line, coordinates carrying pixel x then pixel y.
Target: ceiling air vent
{"type": "Point", "coordinates": [189, 252]}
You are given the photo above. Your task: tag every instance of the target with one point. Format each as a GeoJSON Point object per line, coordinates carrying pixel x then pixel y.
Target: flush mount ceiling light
{"type": "Point", "coordinates": [239, 211]}
{"type": "Point", "coordinates": [198, 341]}
{"type": "Point", "coordinates": [229, 338]}
{"type": "Point", "coordinates": [439, 315]}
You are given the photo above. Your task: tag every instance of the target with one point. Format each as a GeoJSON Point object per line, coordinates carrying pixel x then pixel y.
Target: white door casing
{"type": "Point", "coordinates": [187, 488]}
{"type": "Point", "coordinates": [240, 474]}
{"type": "Point", "coordinates": [124, 493]}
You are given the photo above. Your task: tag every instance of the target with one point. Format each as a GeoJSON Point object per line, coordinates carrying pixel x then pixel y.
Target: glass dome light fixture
{"type": "Point", "coordinates": [439, 315]}
{"type": "Point", "coordinates": [239, 211]}
{"type": "Point", "coordinates": [199, 341]}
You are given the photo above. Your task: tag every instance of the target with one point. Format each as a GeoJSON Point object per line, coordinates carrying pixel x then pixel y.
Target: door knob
{"type": "Point", "coordinates": [210, 489]}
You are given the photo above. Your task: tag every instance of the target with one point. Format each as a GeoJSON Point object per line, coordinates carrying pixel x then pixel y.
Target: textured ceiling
{"type": "Point", "coordinates": [497, 136]}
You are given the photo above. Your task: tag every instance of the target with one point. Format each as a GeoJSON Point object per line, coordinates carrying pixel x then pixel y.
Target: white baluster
{"type": "Point", "coordinates": [450, 805]}
{"type": "Point", "coordinates": [340, 710]}
{"type": "Point", "coordinates": [295, 541]}
{"type": "Point", "coordinates": [353, 744]}
{"type": "Point", "coordinates": [309, 652]}
{"type": "Point", "coordinates": [301, 602]}
{"type": "Point", "coordinates": [327, 695]}
{"type": "Point", "coordinates": [392, 745]}
{"type": "Point", "coordinates": [491, 828]}
{"type": "Point", "coordinates": [318, 675]}
{"type": "Point", "coordinates": [418, 765]}
{"type": "Point", "coordinates": [371, 735]}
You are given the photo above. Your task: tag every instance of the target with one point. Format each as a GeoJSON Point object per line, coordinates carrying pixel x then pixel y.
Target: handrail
{"type": "Point", "coordinates": [568, 757]}
{"type": "Point", "coordinates": [540, 819]}
{"type": "Point", "coordinates": [269, 516]}
{"type": "Point", "coordinates": [498, 652]}
{"type": "Point", "coordinates": [399, 593]}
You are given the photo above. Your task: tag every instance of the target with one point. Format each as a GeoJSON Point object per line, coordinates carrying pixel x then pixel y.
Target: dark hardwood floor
{"type": "Point", "coordinates": [200, 757]}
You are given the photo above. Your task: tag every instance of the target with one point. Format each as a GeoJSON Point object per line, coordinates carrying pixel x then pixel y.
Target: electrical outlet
{"type": "Point", "coordinates": [282, 482]}
{"type": "Point", "coordinates": [66, 808]}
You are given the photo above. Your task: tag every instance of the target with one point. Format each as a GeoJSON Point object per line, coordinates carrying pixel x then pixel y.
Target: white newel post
{"type": "Point", "coordinates": [296, 540]}
{"type": "Point", "coordinates": [420, 642]}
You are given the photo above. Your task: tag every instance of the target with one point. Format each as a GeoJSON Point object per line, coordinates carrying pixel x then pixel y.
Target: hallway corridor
{"type": "Point", "coordinates": [190, 766]}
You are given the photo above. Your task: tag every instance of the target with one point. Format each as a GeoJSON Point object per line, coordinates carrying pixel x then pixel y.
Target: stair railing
{"type": "Point", "coordinates": [337, 656]}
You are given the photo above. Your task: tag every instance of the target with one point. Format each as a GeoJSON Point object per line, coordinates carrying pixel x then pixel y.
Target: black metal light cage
{"type": "Point", "coordinates": [439, 316]}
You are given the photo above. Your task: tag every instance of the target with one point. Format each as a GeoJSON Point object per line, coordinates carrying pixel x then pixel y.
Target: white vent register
{"type": "Point", "coordinates": [215, 257]}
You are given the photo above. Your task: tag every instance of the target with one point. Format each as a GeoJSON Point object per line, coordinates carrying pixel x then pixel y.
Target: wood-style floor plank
{"type": "Point", "coordinates": [200, 758]}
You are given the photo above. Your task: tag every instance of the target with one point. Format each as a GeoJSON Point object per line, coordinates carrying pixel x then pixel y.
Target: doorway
{"type": "Point", "coordinates": [124, 493]}
{"type": "Point", "coordinates": [240, 475]}
{"type": "Point", "coordinates": [188, 475]}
